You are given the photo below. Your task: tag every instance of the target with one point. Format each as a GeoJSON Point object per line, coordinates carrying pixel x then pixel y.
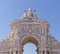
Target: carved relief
{"type": "Point", "coordinates": [30, 29]}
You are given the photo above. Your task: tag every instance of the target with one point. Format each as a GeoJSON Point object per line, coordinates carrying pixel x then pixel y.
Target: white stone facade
{"type": "Point", "coordinates": [30, 29]}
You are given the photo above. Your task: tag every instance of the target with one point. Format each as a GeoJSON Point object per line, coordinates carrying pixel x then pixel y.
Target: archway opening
{"type": "Point", "coordinates": [29, 48]}
{"type": "Point", "coordinates": [29, 44]}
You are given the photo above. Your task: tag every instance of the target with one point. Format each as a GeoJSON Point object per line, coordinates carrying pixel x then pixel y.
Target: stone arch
{"type": "Point", "coordinates": [30, 39]}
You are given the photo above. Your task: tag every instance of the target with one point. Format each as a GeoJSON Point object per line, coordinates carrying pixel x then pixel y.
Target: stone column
{"type": "Point", "coordinates": [39, 50]}
{"type": "Point", "coordinates": [20, 50]}
{"type": "Point", "coordinates": [10, 52]}
{"type": "Point", "coordinates": [14, 52]}
{"type": "Point", "coordinates": [45, 52]}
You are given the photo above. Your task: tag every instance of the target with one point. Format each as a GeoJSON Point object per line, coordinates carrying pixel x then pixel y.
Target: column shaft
{"type": "Point", "coordinates": [45, 52]}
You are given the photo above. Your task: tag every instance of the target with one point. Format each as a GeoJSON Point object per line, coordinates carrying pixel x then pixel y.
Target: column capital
{"type": "Point", "coordinates": [39, 46]}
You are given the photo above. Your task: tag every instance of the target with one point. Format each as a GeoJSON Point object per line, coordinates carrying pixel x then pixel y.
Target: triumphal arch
{"type": "Point", "coordinates": [29, 29]}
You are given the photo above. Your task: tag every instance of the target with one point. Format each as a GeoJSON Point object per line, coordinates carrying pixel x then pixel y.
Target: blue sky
{"type": "Point", "coordinates": [29, 48]}
{"type": "Point", "coordinates": [45, 9]}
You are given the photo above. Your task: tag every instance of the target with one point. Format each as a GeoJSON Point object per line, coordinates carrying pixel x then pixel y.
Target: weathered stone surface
{"type": "Point", "coordinates": [30, 29]}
